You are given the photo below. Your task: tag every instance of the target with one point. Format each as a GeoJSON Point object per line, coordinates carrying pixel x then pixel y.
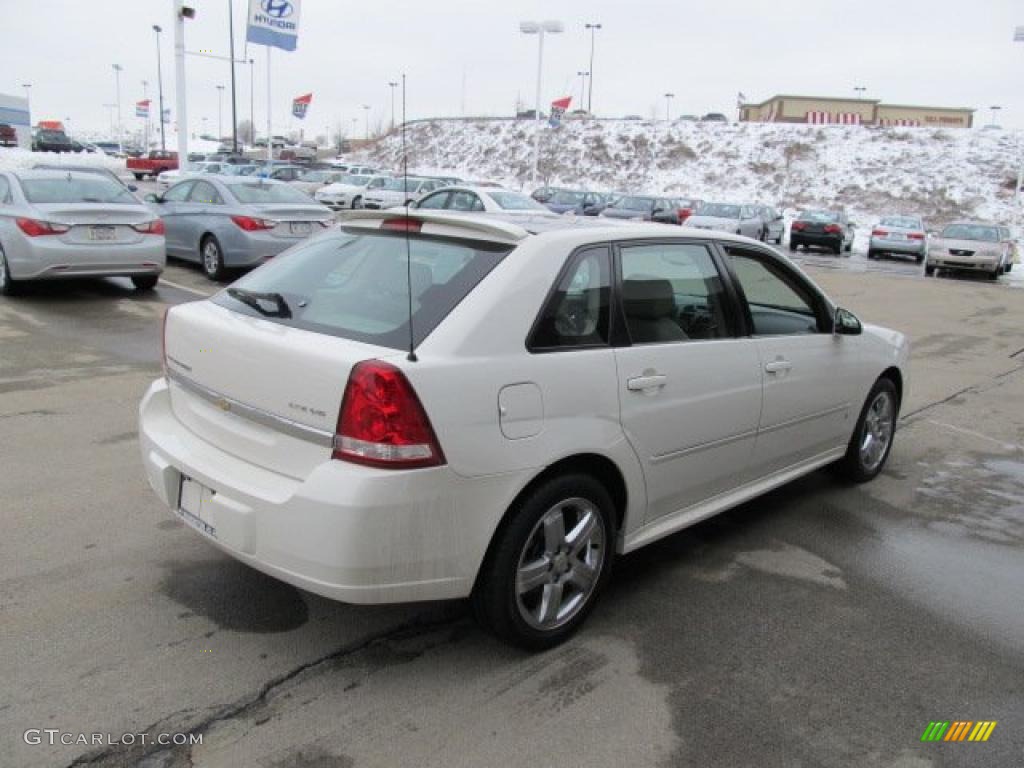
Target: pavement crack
{"type": "Point", "coordinates": [973, 389]}
{"type": "Point", "coordinates": [179, 756]}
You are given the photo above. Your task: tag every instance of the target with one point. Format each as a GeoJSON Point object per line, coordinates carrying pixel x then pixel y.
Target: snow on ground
{"type": "Point", "coordinates": [14, 159]}
{"type": "Point", "coordinates": [941, 174]}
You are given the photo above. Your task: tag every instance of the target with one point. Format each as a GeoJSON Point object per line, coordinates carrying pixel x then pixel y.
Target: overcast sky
{"type": "Point", "coordinates": [931, 52]}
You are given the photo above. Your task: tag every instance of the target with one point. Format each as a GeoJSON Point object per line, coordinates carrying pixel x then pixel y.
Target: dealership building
{"type": "Point", "coordinates": [841, 111]}
{"type": "Point", "coordinates": [14, 112]}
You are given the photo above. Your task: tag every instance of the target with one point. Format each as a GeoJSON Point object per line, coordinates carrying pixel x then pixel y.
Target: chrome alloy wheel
{"type": "Point", "coordinates": [878, 428]}
{"type": "Point", "coordinates": [560, 565]}
{"type": "Point", "coordinates": [3, 270]}
{"type": "Point", "coordinates": [211, 256]}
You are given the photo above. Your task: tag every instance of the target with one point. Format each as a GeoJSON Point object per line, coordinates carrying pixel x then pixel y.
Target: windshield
{"type": "Point", "coordinates": [256, 192]}
{"type": "Point", "coordinates": [720, 211]}
{"type": "Point", "coordinates": [818, 216]}
{"type": "Point", "coordinates": [355, 181]}
{"type": "Point", "coordinates": [566, 197]}
{"type": "Point", "coordinates": [514, 201]}
{"type": "Point", "coordinates": [902, 222]}
{"type": "Point", "coordinates": [52, 136]}
{"type": "Point", "coordinates": [355, 285]}
{"type": "Point", "coordinates": [971, 232]}
{"type": "Point", "coordinates": [398, 185]}
{"type": "Point", "coordinates": [634, 203]}
{"type": "Point", "coordinates": [92, 189]}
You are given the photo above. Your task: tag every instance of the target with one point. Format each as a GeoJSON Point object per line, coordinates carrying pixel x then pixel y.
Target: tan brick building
{"type": "Point", "coordinates": [834, 111]}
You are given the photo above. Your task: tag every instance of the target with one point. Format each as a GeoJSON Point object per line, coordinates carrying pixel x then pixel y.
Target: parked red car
{"type": "Point", "coordinates": [153, 164]}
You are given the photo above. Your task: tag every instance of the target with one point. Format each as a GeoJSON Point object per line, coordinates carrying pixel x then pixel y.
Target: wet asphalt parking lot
{"type": "Point", "coordinates": [823, 625]}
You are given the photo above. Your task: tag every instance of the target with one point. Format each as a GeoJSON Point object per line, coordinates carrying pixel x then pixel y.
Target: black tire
{"type": "Point", "coordinates": [849, 247]}
{"type": "Point", "coordinates": [792, 245]}
{"type": "Point", "coordinates": [145, 282]}
{"type": "Point", "coordinates": [8, 285]}
{"type": "Point", "coordinates": [357, 203]}
{"type": "Point", "coordinates": [994, 274]}
{"type": "Point", "coordinates": [838, 248]}
{"type": "Point", "coordinates": [778, 240]}
{"type": "Point", "coordinates": [139, 176]}
{"type": "Point", "coordinates": [919, 258]}
{"type": "Point", "coordinates": [872, 255]}
{"type": "Point", "coordinates": [211, 258]}
{"type": "Point", "coordinates": [929, 270]}
{"type": "Point", "coordinates": [854, 466]}
{"type": "Point", "coordinates": [497, 603]}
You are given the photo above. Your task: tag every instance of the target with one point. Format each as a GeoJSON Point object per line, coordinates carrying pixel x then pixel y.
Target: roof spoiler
{"type": "Point", "coordinates": [472, 224]}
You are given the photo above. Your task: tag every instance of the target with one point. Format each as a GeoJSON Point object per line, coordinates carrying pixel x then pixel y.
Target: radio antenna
{"type": "Point", "coordinates": [411, 357]}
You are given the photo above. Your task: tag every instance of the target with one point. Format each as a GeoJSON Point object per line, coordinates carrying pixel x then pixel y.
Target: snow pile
{"type": "Point", "coordinates": [14, 159]}
{"type": "Point", "coordinates": [940, 174]}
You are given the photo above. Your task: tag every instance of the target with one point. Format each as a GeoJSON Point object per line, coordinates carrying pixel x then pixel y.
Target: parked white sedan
{"type": "Point", "coordinates": [597, 388]}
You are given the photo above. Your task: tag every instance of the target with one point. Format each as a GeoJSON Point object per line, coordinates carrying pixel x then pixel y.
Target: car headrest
{"type": "Point", "coordinates": [648, 299]}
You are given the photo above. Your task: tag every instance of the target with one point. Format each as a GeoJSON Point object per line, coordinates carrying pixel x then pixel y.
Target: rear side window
{"type": "Point", "coordinates": [356, 286]}
{"type": "Point", "coordinates": [577, 314]}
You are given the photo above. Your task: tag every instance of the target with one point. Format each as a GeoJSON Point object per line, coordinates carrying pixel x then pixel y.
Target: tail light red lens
{"type": "Point", "coordinates": [402, 225]}
{"type": "Point", "coordinates": [879, 233]}
{"type": "Point", "coordinates": [916, 236]}
{"type": "Point", "coordinates": [685, 213]}
{"type": "Point", "coordinates": [798, 226]}
{"type": "Point", "coordinates": [34, 228]}
{"type": "Point", "coordinates": [832, 229]}
{"type": "Point", "coordinates": [250, 224]}
{"type": "Point", "coordinates": [382, 422]}
{"type": "Point", "coordinates": [154, 227]}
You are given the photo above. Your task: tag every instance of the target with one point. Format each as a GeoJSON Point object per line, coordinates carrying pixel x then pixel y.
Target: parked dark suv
{"type": "Point", "coordinates": [825, 229]}
{"type": "Point", "coordinates": [52, 141]}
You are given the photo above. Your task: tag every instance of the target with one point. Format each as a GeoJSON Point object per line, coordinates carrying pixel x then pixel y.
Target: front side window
{"type": "Point", "coordinates": [577, 314]}
{"type": "Point", "coordinates": [434, 202]}
{"type": "Point", "coordinates": [672, 292]}
{"type": "Point", "coordinates": [780, 304]}
{"type": "Point", "coordinates": [205, 192]}
{"type": "Point", "coordinates": [178, 193]}
{"type": "Point", "coordinates": [465, 201]}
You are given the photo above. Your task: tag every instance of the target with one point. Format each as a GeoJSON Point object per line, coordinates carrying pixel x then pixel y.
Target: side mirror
{"type": "Point", "coordinates": [132, 188]}
{"type": "Point", "coordinates": [845, 323]}
{"type": "Point", "coordinates": [151, 198]}
{"type": "Point", "coordinates": [657, 212]}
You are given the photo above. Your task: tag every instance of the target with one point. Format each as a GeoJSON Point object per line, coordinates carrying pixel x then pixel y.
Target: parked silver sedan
{"type": "Point", "coordinates": [313, 180]}
{"type": "Point", "coordinates": [235, 221]}
{"type": "Point", "coordinates": [899, 235]}
{"type": "Point", "coordinates": [61, 224]}
{"type": "Point", "coordinates": [727, 217]}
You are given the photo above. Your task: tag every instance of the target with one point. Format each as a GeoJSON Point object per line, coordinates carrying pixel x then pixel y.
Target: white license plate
{"type": "Point", "coordinates": [300, 227]}
{"type": "Point", "coordinates": [896, 236]}
{"type": "Point", "coordinates": [195, 506]}
{"type": "Point", "coordinates": [102, 233]}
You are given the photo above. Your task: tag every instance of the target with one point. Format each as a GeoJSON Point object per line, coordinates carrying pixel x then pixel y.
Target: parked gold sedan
{"type": "Point", "coordinates": [969, 246]}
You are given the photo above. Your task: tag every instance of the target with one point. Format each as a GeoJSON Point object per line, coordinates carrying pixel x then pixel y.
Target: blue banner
{"type": "Point", "coordinates": [274, 23]}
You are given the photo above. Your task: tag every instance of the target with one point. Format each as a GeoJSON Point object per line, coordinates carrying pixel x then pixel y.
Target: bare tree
{"type": "Point", "coordinates": [245, 132]}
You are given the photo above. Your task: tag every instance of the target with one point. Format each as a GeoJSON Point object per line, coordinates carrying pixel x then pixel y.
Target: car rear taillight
{"type": "Point", "coordinates": [879, 233]}
{"type": "Point", "coordinates": [154, 227]}
{"type": "Point", "coordinates": [382, 422]}
{"type": "Point", "coordinates": [251, 224]}
{"type": "Point", "coordinates": [832, 229]}
{"type": "Point", "coordinates": [402, 225]}
{"type": "Point", "coordinates": [915, 236]}
{"type": "Point", "coordinates": [685, 213]}
{"type": "Point", "coordinates": [35, 228]}
{"type": "Point", "coordinates": [798, 225]}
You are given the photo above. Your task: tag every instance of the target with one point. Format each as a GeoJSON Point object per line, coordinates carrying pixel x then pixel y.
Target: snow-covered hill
{"type": "Point", "coordinates": [941, 174]}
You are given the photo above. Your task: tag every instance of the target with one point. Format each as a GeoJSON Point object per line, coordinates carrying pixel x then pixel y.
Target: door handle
{"type": "Point", "coordinates": [645, 383]}
{"type": "Point", "coordinates": [778, 366]}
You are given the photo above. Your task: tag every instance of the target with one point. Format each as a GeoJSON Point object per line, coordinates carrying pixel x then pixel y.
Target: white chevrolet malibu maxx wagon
{"type": "Point", "coordinates": [439, 406]}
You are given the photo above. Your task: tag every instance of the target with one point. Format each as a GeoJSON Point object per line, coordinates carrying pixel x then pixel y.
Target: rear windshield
{"type": "Point", "coordinates": [267, 193]}
{"type": "Point", "coordinates": [356, 285]}
{"type": "Point", "coordinates": [93, 189]}
{"type": "Point", "coordinates": [566, 198]}
{"type": "Point", "coordinates": [635, 203]}
{"type": "Point", "coordinates": [718, 210]}
{"type": "Point", "coordinates": [514, 201]}
{"type": "Point", "coordinates": [971, 232]}
{"type": "Point", "coordinates": [818, 216]}
{"type": "Point", "coordinates": [903, 222]}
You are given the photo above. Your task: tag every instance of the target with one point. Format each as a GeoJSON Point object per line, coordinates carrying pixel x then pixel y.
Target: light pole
{"type": "Point", "coordinates": [252, 101]}
{"type": "Point", "coordinates": [538, 28]}
{"type": "Point", "coordinates": [28, 98]}
{"type": "Point", "coordinates": [67, 123]}
{"type": "Point", "coordinates": [995, 108]}
{"type": "Point", "coordinates": [392, 86]}
{"type": "Point", "coordinates": [220, 113]}
{"type": "Point", "coordinates": [859, 90]}
{"type": "Point", "coordinates": [366, 116]}
{"type": "Point", "coordinates": [234, 97]}
{"type": "Point", "coordinates": [583, 86]}
{"type": "Point", "coordinates": [160, 87]}
{"type": "Point", "coordinates": [1018, 37]}
{"type": "Point", "coordinates": [120, 133]}
{"type": "Point", "coordinates": [668, 106]}
{"type": "Point", "coordinates": [110, 114]}
{"type": "Point", "coordinates": [145, 97]}
{"type": "Point", "coordinates": [590, 91]}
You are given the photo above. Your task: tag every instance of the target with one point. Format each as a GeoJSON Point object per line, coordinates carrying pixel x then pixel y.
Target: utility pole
{"type": "Point", "coordinates": [160, 85]}
{"type": "Point", "coordinates": [120, 131]}
{"type": "Point", "coordinates": [583, 86]}
{"type": "Point", "coordinates": [590, 92]}
{"type": "Point", "coordinates": [220, 113]}
{"type": "Point", "coordinates": [392, 86]}
{"type": "Point", "coordinates": [539, 29]}
{"type": "Point", "coordinates": [366, 115]}
{"type": "Point", "coordinates": [179, 80]}
{"type": "Point", "coordinates": [234, 97]}
{"type": "Point", "coordinates": [252, 101]}
{"type": "Point", "coordinates": [145, 97]}
{"type": "Point", "coordinates": [668, 106]}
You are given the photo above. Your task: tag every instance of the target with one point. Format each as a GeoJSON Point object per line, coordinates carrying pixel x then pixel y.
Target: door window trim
{"type": "Point", "coordinates": [803, 287]}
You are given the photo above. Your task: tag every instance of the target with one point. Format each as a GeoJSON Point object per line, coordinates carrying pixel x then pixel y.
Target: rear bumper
{"type": "Point", "coordinates": [247, 249]}
{"type": "Point", "coordinates": [814, 238]}
{"type": "Point", "coordinates": [963, 263]}
{"type": "Point", "coordinates": [911, 247]}
{"type": "Point", "coordinates": [350, 533]}
{"type": "Point", "coordinates": [40, 259]}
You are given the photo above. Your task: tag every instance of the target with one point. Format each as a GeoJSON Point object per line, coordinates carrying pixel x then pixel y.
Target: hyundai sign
{"type": "Point", "coordinates": [274, 22]}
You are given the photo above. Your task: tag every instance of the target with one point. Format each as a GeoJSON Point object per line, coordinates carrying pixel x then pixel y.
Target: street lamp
{"type": "Point", "coordinates": [583, 86]}
{"type": "Point", "coordinates": [220, 113]}
{"type": "Point", "coordinates": [252, 101]}
{"type": "Point", "coordinates": [110, 114]}
{"type": "Point", "coordinates": [117, 80]}
{"type": "Point", "coordinates": [539, 28]}
{"type": "Point", "coordinates": [590, 91]}
{"type": "Point", "coordinates": [392, 86]}
{"type": "Point", "coordinates": [366, 115]}
{"type": "Point", "coordinates": [145, 97]}
{"type": "Point", "coordinates": [1018, 37]}
{"type": "Point", "coordinates": [668, 106]}
{"type": "Point", "coordinates": [995, 108]}
{"type": "Point", "coordinates": [160, 85]}
{"type": "Point", "coordinates": [28, 96]}
{"type": "Point", "coordinates": [859, 90]}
